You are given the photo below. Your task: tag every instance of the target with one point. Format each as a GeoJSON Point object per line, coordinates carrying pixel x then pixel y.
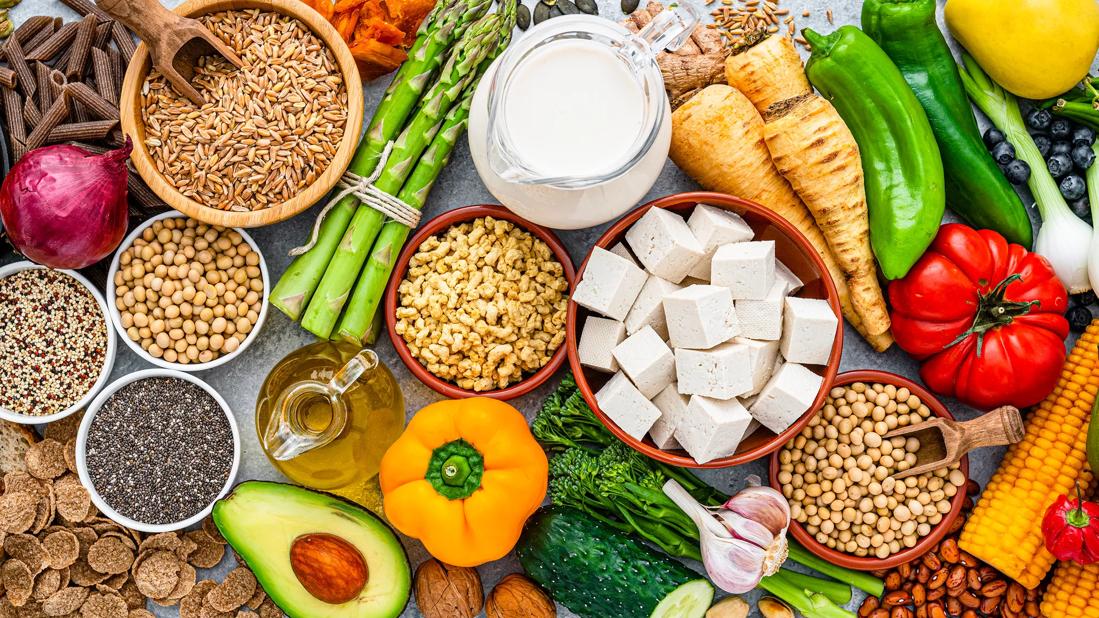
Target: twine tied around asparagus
{"type": "Point", "coordinates": [362, 187]}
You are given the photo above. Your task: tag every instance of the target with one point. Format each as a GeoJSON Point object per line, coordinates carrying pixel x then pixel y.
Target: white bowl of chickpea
{"type": "Point", "coordinates": [197, 312]}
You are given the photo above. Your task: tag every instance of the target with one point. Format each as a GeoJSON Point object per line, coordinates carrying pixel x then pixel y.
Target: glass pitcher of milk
{"type": "Point", "coordinates": [570, 127]}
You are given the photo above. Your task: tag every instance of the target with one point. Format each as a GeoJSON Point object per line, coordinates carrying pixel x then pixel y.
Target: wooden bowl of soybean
{"type": "Point", "coordinates": [131, 103]}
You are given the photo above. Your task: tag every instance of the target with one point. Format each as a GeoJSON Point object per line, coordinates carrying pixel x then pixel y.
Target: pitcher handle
{"type": "Point", "coordinates": [671, 28]}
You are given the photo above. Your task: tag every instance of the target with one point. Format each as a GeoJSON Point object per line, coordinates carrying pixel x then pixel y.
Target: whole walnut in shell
{"type": "Point", "coordinates": [445, 591]}
{"type": "Point", "coordinates": [517, 596]}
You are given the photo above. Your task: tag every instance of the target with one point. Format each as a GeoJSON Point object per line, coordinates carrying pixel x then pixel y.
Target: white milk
{"type": "Point", "coordinates": [573, 108]}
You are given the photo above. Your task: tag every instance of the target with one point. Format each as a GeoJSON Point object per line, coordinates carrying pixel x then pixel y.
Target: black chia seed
{"type": "Point", "coordinates": [53, 341]}
{"type": "Point", "coordinates": [160, 450]}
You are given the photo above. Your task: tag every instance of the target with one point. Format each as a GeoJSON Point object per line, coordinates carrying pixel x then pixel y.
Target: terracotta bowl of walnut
{"type": "Point", "coordinates": [271, 139]}
{"type": "Point", "coordinates": [478, 301]}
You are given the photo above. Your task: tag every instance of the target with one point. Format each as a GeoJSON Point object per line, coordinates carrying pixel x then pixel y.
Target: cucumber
{"type": "Point", "coordinates": [598, 572]}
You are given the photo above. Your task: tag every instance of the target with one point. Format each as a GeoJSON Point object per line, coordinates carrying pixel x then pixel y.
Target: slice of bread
{"type": "Point", "coordinates": [15, 439]}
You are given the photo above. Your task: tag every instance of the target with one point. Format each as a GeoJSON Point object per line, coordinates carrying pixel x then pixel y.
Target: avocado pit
{"type": "Point", "coordinates": [328, 567]}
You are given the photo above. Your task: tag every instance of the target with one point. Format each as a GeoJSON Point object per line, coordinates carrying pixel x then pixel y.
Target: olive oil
{"type": "Point", "coordinates": [325, 416]}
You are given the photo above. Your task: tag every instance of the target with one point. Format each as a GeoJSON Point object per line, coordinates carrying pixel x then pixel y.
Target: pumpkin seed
{"type": "Point", "coordinates": [629, 6]}
{"type": "Point", "coordinates": [522, 17]}
{"type": "Point", "coordinates": [588, 6]}
{"type": "Point", "coordinates": [555, 10]}
{"type": "Point", "coordinates": [541, 13]}
{"type": "Point", "coordinates": [568, 7]}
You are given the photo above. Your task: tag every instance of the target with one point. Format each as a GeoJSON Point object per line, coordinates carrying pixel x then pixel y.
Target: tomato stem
{"type": "Point", "coordinates": [993, 311]}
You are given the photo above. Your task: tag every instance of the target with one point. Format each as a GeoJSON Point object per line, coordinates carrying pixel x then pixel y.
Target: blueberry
{"type": "Point", "coordinates": [1073, 187]}
{"type": "Point", "coordinates": [1078, 318]}
{"type": "Point", "coordinates": [1039, 119]}
{"type": "Point", "coordinates": [1044, 145]}
{"type": "Point", "coordinates": [1083, 134]}
{"type": "Point", "coordinates": [1082, 157]}
{"type": "Point", "coordinates": [1061, 147]}
{"type": "Point", "coordinates": [1060, 129]}
{"type": "Point", "coordinates": [1059, 165]}
{"type": "Point", "coordinates": [1003, 152]}
{"type": "Point", "coordinates": [1084, 298]}
{"type": "Point", "coordinates": [1017, 172]}
{"type": "Point", "coordinates": [993, 136]}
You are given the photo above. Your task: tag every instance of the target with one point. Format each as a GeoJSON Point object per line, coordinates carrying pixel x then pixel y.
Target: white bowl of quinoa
{"type": "Point", "coordinates": [125, 448]}
{"type": "Point", "coordinates": [41, 308]}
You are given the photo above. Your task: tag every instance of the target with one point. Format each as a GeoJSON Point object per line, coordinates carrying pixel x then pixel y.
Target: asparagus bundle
{"type": "Point", "coordinates": [449, 22]}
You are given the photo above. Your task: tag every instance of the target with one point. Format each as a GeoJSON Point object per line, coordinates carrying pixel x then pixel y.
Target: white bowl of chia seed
{"type": "Point", "coordinates": [156, 449]}
{"type": "Point", "coordinates": [35, 313]}
{"type": "Point", "coordinates": [173, 330]}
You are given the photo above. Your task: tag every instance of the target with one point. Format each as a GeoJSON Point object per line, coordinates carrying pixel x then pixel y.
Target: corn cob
{"type": "Point", "coordinates": [1005, 529]}
{"type": "Point", "coordinates": [1073, 592]}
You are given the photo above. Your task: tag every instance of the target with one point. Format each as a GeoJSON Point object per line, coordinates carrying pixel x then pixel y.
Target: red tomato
{"type": "Point", "coordinates": [985, 317]}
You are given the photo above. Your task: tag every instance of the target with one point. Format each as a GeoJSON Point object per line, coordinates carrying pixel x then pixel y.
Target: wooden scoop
{"type": "Point", "coordinates": [175, 42]}
{"type": "Point", "coordinates": [944, 441]}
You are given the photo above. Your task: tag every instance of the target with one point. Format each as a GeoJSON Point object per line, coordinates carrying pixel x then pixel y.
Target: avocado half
{"type": "Point", "coordinates": [316, 555]}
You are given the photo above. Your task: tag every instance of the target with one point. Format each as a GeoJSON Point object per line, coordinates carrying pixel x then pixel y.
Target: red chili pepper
{"type": "Point", "coordinates": [1071, 529]}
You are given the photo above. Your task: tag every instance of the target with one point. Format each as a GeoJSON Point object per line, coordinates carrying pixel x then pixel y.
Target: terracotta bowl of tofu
{"type": "Point", "coordinates": [704, 330]}
{"type": "Point", "coordinates": [439, 225]}
{"type": "Point", "coordinates": [925, 543]}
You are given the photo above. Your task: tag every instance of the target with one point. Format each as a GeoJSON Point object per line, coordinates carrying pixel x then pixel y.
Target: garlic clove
{"type": "Point", "coordinates": [763, 505]}
{"type": "Point", "coordinates": [746, 529]}
{"type": "Point", "coordinates": [733, 565]}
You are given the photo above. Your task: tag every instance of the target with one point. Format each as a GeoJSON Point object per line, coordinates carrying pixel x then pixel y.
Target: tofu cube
{"type": "Point", "coordinates": [713, 227]}
{"type": "Point", "coordinates": [762, 356]}
{"type": "Point", "coordinates": [700, 317]}
{"type": "Point", "coordinates": [693, 281]}
{"type": "Point", "coordinates": [721, 373]}
{"type": "Point", "coordinates": [746, 268]}
{"type": "Point", "coordinates": [648, 309]}
{"type": "Point", "coordinates": [647, 360]}
{"type": "Point", "coordinates": [664, 244]}
{"type": "Point", "coordinates": [808, 331]}
{"type": "Point", "coordinates": [713, 428]}
{"type": "Point", "coordinates": [762, 319]}
{"type": "Point", "coordinates": [787, 276]}
{"type": "Point", "coordinates": [610, 284]}
{"type": "Point", "coordinates": [620, 400]}
{"type": "Point", "coordinates": [673, 409]}
{"type": "Point", "coordinates": [597, 343]}
{"type": "Point", "coordinates": [621, 251]}
{"type": "Point", "coordinates": [786, 397]}
{"type": "Point", "coordinates": [752, 427]}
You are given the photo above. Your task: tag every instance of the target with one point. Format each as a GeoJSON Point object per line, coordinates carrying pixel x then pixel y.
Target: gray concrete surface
{"type": "Point", "coordinates": [239, 381]}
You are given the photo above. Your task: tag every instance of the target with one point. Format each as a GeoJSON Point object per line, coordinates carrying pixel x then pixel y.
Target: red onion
{"type": "Point", "coordinates": [65, 207]}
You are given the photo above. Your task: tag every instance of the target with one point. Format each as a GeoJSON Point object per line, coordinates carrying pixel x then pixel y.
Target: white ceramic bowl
{"type": "Point", "coordinates": [108, 361]}
{"type": "Point", "coordinates": [82, 445]}
{"type": "Point", "coordinates": [116, 316]}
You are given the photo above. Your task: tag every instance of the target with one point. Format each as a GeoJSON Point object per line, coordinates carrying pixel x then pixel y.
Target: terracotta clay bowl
{"type": "Point", "coordinates": [439, 225]}
{"type": "Point", "coordinates": [925, 544]}
{"type": "Point", "coordinates": [791, 247]}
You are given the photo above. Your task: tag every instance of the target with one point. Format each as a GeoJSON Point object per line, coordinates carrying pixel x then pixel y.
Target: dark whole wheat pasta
{"type": "Point", "coordinates": [40, 37]}
{"type": "Point", "coordinates": [78, 113]}
{"type": "Point", "coordinates": [123, 40]}
{"type": "Point", "coordinates": [47, 90]}
{"type": "Point", "coordinates": [63, 59]}
{"type": "Point", "coordinates": [53, 45]}
{"type": "Point", "coordinates": [117, 68]}
{"type": "Point", "coordinates": [55, 115]}
{"type": "Point", "coordinates": [104, 81]}
{"type": "Point", "coordinates": [117, 138]}
{"type": "Point", "coordinates": [87, 7]}
{"type": "Point", "coordinates": [17, 60]}
{"type": "Point", "coordinates": [96, 104]}
{"type": "Point", "coordinates": [8, 77]}
{"type": "Point", "coordinates": [13, 120]}
{"type": "Point", "coordinates": [143, 194]}
{"type": "Point", "coordinates": [28, 29]}
{"type": "Point", "coordinates": [93, 130]}
{"type": "Point", "coordinates": [31, 114]}
{"type": "Point", "coordinates": [102, 35]}
{"type": "Point", "coordinates": [82, 44]}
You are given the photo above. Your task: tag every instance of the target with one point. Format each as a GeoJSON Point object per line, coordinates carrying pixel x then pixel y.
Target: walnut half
{"type": "Point", "coordinates": [445, 591]}
{"type": "Point", "coordinates": [516, 596]}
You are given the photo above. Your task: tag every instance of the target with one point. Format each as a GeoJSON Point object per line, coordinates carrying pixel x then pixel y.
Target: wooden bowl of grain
{"type": "Point", "coordinates": [256, 201]}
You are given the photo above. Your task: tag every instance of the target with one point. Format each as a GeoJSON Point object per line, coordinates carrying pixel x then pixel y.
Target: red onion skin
{"type": "Point", "coordinates": [64, 207]}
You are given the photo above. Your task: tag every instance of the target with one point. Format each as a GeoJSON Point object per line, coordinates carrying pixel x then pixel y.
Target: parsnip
{"type": "Point", "coordinates": [767, 70]}
{"type": "Point", "coordinates": [816, 153]}
{"type": "Point", "coordinates": [717, 139]}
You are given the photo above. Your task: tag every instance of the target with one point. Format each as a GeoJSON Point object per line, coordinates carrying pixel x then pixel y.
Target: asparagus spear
{"type": "Point", "coordinates": [347, 261]}
{"type": "Point", "coordinates": [370, 288]}
{"type": "Point", "coordinates": [447, 22]}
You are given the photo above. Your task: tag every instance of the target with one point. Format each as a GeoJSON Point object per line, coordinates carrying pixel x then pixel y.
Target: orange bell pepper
{"type": "Point", "coordinates": [463, 479]}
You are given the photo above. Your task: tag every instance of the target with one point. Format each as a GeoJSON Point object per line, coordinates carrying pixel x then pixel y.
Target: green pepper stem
{"type": "Point", "coordinates": [455, 470]}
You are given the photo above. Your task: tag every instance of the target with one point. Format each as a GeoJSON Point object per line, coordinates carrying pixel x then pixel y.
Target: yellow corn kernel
{"type": "Point", "coordinates": [1005, 529]}
{"type": "Point", "coordinates": [1073, 592]}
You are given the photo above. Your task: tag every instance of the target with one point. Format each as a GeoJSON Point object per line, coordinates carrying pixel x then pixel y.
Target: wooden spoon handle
{"type": "Point", "coordinates": [148, 18]}
{"type": "Point", "coordinates": [1004, 425]}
